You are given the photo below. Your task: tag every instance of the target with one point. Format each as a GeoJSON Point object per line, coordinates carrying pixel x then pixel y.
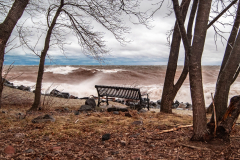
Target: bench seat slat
{"type": "Point", "coordinates": [120, 92]}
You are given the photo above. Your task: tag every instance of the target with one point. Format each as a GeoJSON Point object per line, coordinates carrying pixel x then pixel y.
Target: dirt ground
{"type": "Point", "coordinates": [150, 135]}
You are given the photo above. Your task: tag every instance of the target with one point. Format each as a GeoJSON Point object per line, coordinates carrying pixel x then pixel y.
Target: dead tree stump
{"type": "Point", "coordinates": [229, 119]}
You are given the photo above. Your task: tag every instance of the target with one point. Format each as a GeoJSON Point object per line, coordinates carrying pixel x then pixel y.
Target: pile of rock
{"type": "Point", "coordinates": [11, 85]}
{"type": "Point", "coordinates": [175, 105]}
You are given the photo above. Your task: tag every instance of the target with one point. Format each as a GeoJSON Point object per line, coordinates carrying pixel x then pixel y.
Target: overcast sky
{"type": "Point", "coordinates": [147, 46]}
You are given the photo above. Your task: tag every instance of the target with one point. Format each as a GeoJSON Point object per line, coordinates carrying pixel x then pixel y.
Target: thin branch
{"type": "Point", "coordinates": [226, 9]}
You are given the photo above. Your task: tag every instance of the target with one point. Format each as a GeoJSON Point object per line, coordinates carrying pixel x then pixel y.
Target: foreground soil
{"type": "Point", "coordinates": [149, 135]}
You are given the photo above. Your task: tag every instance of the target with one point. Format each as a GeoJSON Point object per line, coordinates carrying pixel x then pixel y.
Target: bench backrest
{"type": "Point", "coordinates": [120, 92]}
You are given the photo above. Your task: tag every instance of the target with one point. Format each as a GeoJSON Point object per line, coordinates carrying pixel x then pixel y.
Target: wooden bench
{"type": "Point", "coordinates": [120, 92]}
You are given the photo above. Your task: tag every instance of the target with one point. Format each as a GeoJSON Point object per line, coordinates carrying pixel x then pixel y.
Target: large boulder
{"type": "Point", "coordinates": [86, 108]}
{"type": "Point", "coordinates": [42, 119]}
{"type": "Point", "coordinates": [90, 102]}
{"type": "Point", "coordinates": [23, 88]}
{"type": "Point", "coordinates": [153, 103]}
{"type": "Point", "coordinates": [65, 95]}
{"type": "Point", "coordinates": [188, 106]}
{"type": "Point", "coordinates": [175, 104]}
{"type": "Point", "coordinates": [142, 111]}
{"type": "Point", "coordinates": [57, 93]}
{"type": "Point", "coordinates": [54, 92]}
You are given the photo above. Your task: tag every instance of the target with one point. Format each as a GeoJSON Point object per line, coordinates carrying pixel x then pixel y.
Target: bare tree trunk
{"type": "Point", "coordinates": [37, 98]}
{"type": "Point", "coordinates": [170, 90]}
{"type": "Point", "coordinates": [230, 44]}
{"type": "Point", "coordinates": [6, 29]}
{"type": "Point", "coordinates": [195, 71]}
{"type": "Point", "coordinates": [225, 80]}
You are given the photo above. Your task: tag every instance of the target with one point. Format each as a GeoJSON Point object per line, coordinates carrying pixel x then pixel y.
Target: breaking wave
{"type": "Point", "coordinates": [80, 81]}
{"type": "Point", "coordinates": [60, 70]}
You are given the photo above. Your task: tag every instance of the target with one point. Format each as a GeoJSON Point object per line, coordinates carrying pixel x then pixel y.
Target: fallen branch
{"type": "Point", "coordinates": [215, 119]}
{"type": "Point", "coordinates": [174, 129]}
{"type": "Point", "coordinates": [194, 147]}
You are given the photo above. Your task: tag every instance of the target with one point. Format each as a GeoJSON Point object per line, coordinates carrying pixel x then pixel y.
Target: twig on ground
{"type": "Point", "coordinates": [174, 129]}
{"type": "Point", "coordinates": [194, 147]}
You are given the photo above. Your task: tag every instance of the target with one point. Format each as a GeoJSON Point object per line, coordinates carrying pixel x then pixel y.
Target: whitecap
{"type": "Point", "coordinates": [61, 70]}
{"type": "Point", "coordinates": [110, 70]}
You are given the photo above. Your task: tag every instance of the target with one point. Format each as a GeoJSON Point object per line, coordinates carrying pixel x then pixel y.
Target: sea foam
{"type": "Point", "coordinates": [61, 70]}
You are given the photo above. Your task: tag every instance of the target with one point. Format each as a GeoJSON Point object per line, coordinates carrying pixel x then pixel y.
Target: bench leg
{"type": "Point", "coordinates": [107, 101]}
{"type": "Point", "coordinates": [147, 102]}
{"type": "Point", "coordinates": [98, 101]}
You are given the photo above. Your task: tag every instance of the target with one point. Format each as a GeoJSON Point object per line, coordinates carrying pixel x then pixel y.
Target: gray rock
{"type": "Point", "coordinates": [63, 110]}
{"type": "Point", "coordinates": [117, 109]}
{"type": "Point", "coordinates": [23, 88]}
{"type": "Point", "coordinates": [159, 101]}
{"type": "Point", "coordinates": [128, 115]}
{"type": "Point", "coordinates": [65, 95]}
{"type": "Point", "coordinates": [152, 145]}
{"type": "Point", "coordinates": [57, 93]}
{"type": "Point", "coordinates": [86, 108]}
{"type": "Point", "coordinates": [137, 123]}
{"type": "Point", "coordinates": [158, 106]}
{"type": "Point", "coordinates": [106, 137]}
{"type": "Point", "coordinates": [175, 104]}
{"type": "Point", "coordinates": [7, 83]}
{"type": "Point", "coordinates": [90, 102]}
{"type": "Point", "coordinates": [76, 113]}
{"type": "Point", "coordinates": [188, 105]}
{"type": "Point", "coordinates": [116, 112]}
{"type": "Point", "coordinates": [142, 111]}
{"type": "Point", "coordinates": [182, 105]}
{"type": "Point", "coordinates": [54, 92]}
{"type": "Point", "coordinates": [42, 119]}
{"type": "Point", "coordinates": [153, 103]}
{"type": "Point", "coordinates": [29, 151]}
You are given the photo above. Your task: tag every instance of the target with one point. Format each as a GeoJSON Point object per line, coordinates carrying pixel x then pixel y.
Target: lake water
{"type": "Point", "coordinates": [80, 80]}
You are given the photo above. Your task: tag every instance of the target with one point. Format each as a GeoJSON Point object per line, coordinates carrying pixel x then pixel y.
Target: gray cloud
{"type": "Point", "coordinates": [147, 46]}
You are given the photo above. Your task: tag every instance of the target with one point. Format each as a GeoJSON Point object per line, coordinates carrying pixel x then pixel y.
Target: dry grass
{"type": "Point", "coordinates": [17, 101]}
{"type": "Point", "coordinates": [67, 127]}
{"type": "Point", "coordinates": [79, 136]}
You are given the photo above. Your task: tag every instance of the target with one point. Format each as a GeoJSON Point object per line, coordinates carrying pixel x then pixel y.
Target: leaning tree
{"type": "Point", "coordinates": [6, 28]}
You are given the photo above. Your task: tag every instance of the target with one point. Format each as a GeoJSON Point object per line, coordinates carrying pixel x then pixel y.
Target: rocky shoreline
{"type": "Point", "coordinates": [132, 104]}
